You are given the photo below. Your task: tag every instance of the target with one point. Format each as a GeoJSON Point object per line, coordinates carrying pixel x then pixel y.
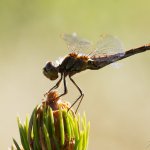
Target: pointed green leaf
{"type": "Point", "coordinates": [80, 146]}
{"type": "Point", "coordinates": [67, 125]}
{"type": "Point", "coordinates": [23, 136]}
{"type": "Point", "coordinates": [16, 144]}
{"type": "Point", "coordinates": [47, 139]}
{"type": "Point", "coordinates": [62, 136]}
{"type": "Point", "coordinates": [35, 131]}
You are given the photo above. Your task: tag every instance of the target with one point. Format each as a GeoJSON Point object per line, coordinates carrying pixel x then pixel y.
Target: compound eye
{"type": "Point", "coordinates": [48, 66]}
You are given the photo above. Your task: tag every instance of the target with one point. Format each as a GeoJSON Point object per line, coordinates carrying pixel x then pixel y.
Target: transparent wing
{"type": "Point", "coordinates": [108, 44]}
{"type": "Point", "coordinates": [76, 43]}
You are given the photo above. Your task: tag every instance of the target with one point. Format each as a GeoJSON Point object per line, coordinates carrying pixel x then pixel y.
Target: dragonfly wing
{"type": "Point", "coordinates": [76, 43]}
{"type": "Point", "coordinates": [108, 44]}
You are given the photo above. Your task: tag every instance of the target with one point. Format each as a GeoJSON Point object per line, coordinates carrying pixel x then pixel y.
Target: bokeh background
{"type": "Point", "coordinates": [117, 101]}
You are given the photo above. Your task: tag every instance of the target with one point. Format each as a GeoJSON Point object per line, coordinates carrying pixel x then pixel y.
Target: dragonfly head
{"type": "Point", "coordinates": [50, 71]}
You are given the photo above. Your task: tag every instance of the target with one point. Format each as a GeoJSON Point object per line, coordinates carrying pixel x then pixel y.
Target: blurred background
{"type": "Point", "coordinates": [117, 101]}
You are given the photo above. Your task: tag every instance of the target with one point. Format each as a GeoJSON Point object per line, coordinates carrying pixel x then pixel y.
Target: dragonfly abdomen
{"type": "Point", "coordinates": [99, 62]}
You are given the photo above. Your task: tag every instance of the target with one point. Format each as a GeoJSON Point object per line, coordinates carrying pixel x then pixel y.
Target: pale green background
{"type": "Point", "coordinates": [117, 101]}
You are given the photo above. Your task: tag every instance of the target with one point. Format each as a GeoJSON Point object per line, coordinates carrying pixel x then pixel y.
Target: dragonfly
{"type": "Point", "coordinates": [107, 50]}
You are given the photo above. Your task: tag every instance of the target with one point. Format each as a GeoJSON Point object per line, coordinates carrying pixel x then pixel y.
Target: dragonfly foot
{"type": "Point", "coordinates": [45, 94]}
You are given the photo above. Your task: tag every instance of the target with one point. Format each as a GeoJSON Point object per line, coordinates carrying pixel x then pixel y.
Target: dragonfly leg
{"type": "Point", "coordinates": [79, 102]}
{"type": "Point", "coordinates": [65, 87]}
{"type": "Point", "coordinates": [56, 86]}
{"type": "Point", "coordinates": [79, 98]}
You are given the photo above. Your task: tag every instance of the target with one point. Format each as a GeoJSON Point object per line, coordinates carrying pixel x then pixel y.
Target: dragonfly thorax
{"type": "Point", "coordinates": [73, 63]}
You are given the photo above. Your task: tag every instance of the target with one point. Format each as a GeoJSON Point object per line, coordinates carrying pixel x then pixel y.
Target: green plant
{"type": "Point", "coordinates": [52, 127]}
